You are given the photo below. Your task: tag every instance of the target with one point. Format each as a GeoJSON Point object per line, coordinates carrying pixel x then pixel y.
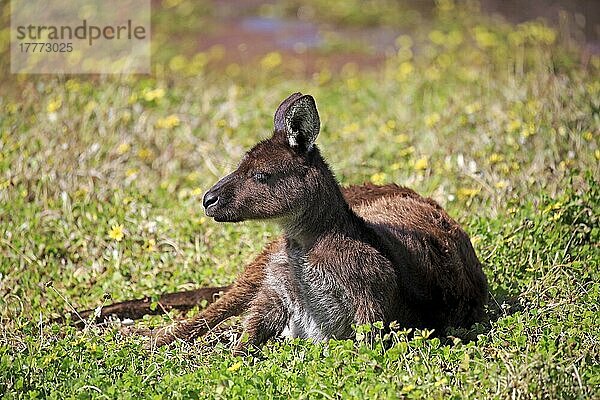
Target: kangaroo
{"type": "Point", "coordinates": [346, 257]}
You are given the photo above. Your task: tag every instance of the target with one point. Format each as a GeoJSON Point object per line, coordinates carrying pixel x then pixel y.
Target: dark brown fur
{"type": "Point", "coordinates": [238, 296]}
{"type": "Point", "coordinates": [369, 253]}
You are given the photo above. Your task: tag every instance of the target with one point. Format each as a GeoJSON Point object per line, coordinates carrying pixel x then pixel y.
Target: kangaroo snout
{"type": "Point", "coordinates": [217, 200]}
{"type": "Point", "coordinates": [210, 199]}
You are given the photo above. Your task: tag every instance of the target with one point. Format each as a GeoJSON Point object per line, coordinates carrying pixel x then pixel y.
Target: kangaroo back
{"type": "Point", "coordinates": [451, 288]}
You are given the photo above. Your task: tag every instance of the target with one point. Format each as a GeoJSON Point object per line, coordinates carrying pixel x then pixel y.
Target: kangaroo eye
{"type": "Point", "coordinates": [261, 177]}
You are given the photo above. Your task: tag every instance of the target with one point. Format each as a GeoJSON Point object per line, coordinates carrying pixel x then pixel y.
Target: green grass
{"type": "Point", "coordinates": [498, 123]}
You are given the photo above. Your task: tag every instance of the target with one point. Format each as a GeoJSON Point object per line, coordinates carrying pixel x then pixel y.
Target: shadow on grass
{"type": "Point", "coordinates": [499, 306]}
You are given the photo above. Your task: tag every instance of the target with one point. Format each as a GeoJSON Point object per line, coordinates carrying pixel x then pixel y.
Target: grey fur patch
{"type": "Point", "coordinates": [315, 306]}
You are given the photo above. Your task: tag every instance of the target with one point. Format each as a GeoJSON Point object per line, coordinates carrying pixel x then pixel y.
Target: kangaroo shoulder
{"type": "Point", "coordinates": [348, 255]}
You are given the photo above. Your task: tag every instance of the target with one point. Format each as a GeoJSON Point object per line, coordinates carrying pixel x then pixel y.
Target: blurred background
{"type": "Point", "coordinates": [306, 37]}
{"type": "Point", "coordinates": [311, 36]}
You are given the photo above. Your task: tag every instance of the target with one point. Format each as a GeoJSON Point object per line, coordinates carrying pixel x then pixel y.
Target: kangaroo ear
{"type": "Point", "coordinates": [302, 123]}
{"type": "Point", "coordinates": [279, 118]}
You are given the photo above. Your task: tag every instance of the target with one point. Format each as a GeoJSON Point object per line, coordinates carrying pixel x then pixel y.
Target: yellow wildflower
{"type": "Point", "coordinates": [154, 94]}
{"type": "Point", "coordinates": [200, 221]}
{"type": "Point", "coordinates": [566, 164]}
{"type": "Point", "coordinates": [11, 108]}
{"type": "Point", "coordinates": [552, 207]}
{"type": "Point", "coordinates": [421, 164]}
{"type": "Point", "coordinates": [485, 38]}
{"type": "Point", "coordinates": [404, 41]}
{"type": "Point", "coordinates": [514, 125]}
{"type": "Point", "coordinates": [123, 148]}
{"type": "Point", "coordinates": [193, 176]}
{"type": "Point", "coordinates": [133, 98]}
{"type": "Point", "coordinates": [90, 106]}
{"type": "Point", "coordinates": [562, 131]}
{"type": "Point", "coordinates": [352, 84]}
{"type": "Point", "coordinates": [131, 172]}
{"type": "Point", "coordinates": [378, 178]}
{"type": "Point", "coordinates": [323, 76]}
{"type": "Point", "coordinates": [177, 63]}
{"type": "Point", "coordinates": [528, 130]}
{"type": "Point", "coordinates": [126, 116]}
{"type": "Point", "coordinates": [538, 32]}
{"type": "Point", "coordinates": [351, 128]}
{"type": "Point", "coordinates": [441, 381]}
{"type": "Point", "coordinates": [116, 232]}
{"type": "Point", "coordinates": [183, 193]}
{"type": "Point", "coordinates": [235, 367]}
{"type": "Point", "coordinates": [72, 85]}
{"type": "Point", "coordinates": [271, 60]}
{"type": "Point", "coordinates": [145, 153]}
{"type": "Point", "coordinates": [408, 388]}
{"type": "Point", "coordinates": [150, 245]}
{"type": "Point", "coordinates": [168, 122]}
{"type": "Point", "coordinates": [80, 193]}
{"type": "Point", "coordinates": [404, 70]}
{"type": "Point", "coordinates": [472, 108]}
{"type": "Point", "coordinates": [437, 37]}
{"type": "Point", "coordinates": [467, 192]}
{"type": "Point", "coordinates": [432, 119]}
{"type": "Point", "coordinates": [454, 38]}
{"type": "Point", "coordinates": [54, 105]}
{"type": "Point", "coordinates": [407, 151]}
{"type": "Point", "coordinates": [402, 138]}
{"type": "Point", "coordinates": [495, 158]}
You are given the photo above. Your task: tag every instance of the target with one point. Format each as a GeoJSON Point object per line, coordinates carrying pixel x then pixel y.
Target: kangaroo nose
{"type": "Point", "coordinates": [210, 199]}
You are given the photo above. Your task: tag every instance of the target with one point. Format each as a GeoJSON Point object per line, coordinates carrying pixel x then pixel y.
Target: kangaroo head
{"type": "Point", "coordinates": [279, 176]}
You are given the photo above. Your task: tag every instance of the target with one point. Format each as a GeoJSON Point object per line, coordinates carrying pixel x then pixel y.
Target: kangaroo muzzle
{"type": "Point", "coordinates": [218, 196]}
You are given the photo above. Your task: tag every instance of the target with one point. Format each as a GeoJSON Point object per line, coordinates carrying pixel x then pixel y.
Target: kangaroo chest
{"type": "Point", "coordinates": [316, 305]}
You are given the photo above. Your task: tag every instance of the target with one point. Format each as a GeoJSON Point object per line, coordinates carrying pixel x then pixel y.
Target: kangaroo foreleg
{"type": "Point", "coordinates": [234, 302]}
{"type": "Point", "coordinates": [267, 319]}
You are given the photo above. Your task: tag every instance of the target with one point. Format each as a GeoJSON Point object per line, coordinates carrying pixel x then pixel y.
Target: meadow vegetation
{"type": "Point", "coordinates": [101, 181]}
